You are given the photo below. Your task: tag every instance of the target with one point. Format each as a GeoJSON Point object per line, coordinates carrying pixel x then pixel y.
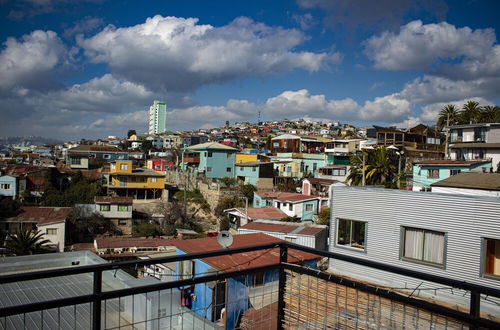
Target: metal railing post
{"type": "Point", "coordinates": [475, 303]}
{"type": "Point", "coordinates": [96, 305]}
{"type": "Point", "coordinates": [282, 285]}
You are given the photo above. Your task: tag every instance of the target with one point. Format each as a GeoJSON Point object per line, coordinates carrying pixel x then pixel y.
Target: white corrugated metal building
{"type": "Point", "coordinates": [441, 234]}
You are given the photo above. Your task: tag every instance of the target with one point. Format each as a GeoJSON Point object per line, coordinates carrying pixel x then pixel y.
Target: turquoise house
{"type": "Point", "coordinates": [298, 164]}
{"type": "Point", "coordinates": [216, 160]}
{"type": "Point", "coordinates": [428, 172]}
{"type": "Point", "coordinates": [11, 186]}
{"type": "Point", "coordinates": [304, 207]}
{"type": "Point", "coordinates": [256, 173]}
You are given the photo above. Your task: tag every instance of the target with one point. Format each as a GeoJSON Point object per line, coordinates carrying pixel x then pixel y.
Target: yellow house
{"type": "Point", "coordinates": [245, 158]}
{"type": "Point", "coordinates": [140, 183]}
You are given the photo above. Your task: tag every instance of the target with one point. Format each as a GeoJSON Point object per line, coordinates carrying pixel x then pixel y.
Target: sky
{"type": "Point", "coordinates": [72, 69]}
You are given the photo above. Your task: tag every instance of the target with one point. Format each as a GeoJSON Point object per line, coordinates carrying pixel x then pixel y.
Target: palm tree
{"type": "Point", "coordinates": [379, 168]}
{"type": "Point", "coordinates": [470, 112]}
{"type": "Point", "coordinates": [490, 114]}
{"type": "Point", "coordinates": [26, 241]}
{"type": "Point", "coordinates": [449, 115]}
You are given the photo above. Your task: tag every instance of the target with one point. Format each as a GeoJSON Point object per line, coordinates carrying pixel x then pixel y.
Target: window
{"type": "Point", "coordinates": [209, 169]}
{"type": "Point", "coordinates": [433, 173]}
{"type": "Point", "coordinates": [5, 186]}
{"type": "Point", "coordinates": [106, 156]}
{"type": "Point", "coordinates": [269, 202]}
{"type": "Point", "coordinates": [254, 169]}
{"type": "Point", "coordinates": [491, 248]}
{"type": "Point", "coordinates": [154, 179]}
{"type": "Point", "coordinates": [75, 161]}
{"type": "Point", "coordinates": [228, 169]}
{"type": "Point", "coordinates": [290, 239]}
{"type": "Point", "coordinates": [454, 172]}
{"type": "Point", "coordinates": [257, 202]}
{"type": "Point", "coordinates": [209, 154]}
{"type": "Point", "coordinates": [290, 207]}
{"type": "Point", "coordinates": [122, 222]}
{"type": "Point", "coordinates": [157, 167]}
{"type": "Point", "coordinates": [104, 207]}
{"type": "Point", "coordinates": [51, 231]}
{"type": "Point", "coordinates": [309, 207]}
{"type": "Point", "coordinates": [423, 245]}
{"type": "Point", "coordinates": [351, 233]}
{"type": "Point", "coordinates": [124, 167]}
{"type": "Point", "coordinates": [122, 208]}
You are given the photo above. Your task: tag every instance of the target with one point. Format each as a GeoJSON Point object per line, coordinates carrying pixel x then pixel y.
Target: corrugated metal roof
{"type": "Point", "coordinates": [113, 200]}
{"type": "Point", "coordinates": [450, 162]}
{"type": "Point", "coordinates": [41, 215]}
{"type": "Point", "coordinates": [210, 145]}
{"type": "Point", "coordinates": [241, 260]}
{"type": "Point", "coordinates": [109, 243]}
{"type": "Point", "coordinates": [476, 145]}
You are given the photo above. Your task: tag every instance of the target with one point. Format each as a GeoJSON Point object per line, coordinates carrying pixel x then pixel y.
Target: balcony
{"type": "Point", "coordinates": [297, 296]}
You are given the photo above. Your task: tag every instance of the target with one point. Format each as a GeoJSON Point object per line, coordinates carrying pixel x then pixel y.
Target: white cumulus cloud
{"type": "Point", "coordinates": [178, 54]}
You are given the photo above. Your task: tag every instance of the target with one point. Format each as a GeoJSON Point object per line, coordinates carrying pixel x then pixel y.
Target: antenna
{"type": "Point", "coordinates": [225, 239]}
{"type": "Point", "coordinates": [258, 133]}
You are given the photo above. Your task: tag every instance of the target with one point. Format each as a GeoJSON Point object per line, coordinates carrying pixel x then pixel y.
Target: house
{"type": "Point", "coordinates": [343, 146]}
{"type": "Point", "coordinates": [297, 165]}
{"type": "Point", "coordinates": [239, 216]}
{"type": "Point", "coordinates": [235, 294]}
{"type": "Point", "coordinates": [333, 172]}
{"type": "Point", "coordinates": [476, 142]}
{"type": "Point", "coordinates": [428, 172]}
{"type": "Point", "coordinates": [313, 236]}
{"type": "Point", "coordinates": [93, 156]}
{"type": "Point", "coordinates": [140, 183]}
{"type": "Point", "coordinates": [470, 183]}
{"type": "Point", "coordinates": [259, 174]}
{"type": "Point", "coordinates": [304, 207]}
{"type": "Point", "coordinates": [320, 188]}
{"type": "Point", "coordinates": [215, 160]}
{"type": "Point", "coordinates": [159, 164]}
{"type": "Point", "coordinates": [11, 186]}
{"type": "Point", "coordinates": [131, 246]}
{"type": "Point", "coordinates": [51, 221]}
{"type": "Point", "coordinates": [453, 236]}
{"type": "Point", "coordinates": [165, 272]}
{"type": "Point", "coordinates": [117, 209]}
{"type": "Point", "coordinates": [290, 143]}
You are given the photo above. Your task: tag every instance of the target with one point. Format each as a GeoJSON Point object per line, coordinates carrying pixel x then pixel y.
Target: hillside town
{"type": "Point", "coordinates": [327, 186]}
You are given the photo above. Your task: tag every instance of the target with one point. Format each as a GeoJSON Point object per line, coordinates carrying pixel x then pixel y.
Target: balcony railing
{"type": "Point", "coordinates": [296, 297]}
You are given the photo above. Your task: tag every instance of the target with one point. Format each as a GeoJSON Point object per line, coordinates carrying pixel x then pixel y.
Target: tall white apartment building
{"type": "Point", "coordinates": [158, 117]}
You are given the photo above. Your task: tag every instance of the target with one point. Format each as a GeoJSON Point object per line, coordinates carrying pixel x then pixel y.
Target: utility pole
{"type": "Point", "coordinates": [363, 170]}
{"type": "Point", "coordinates": [447, 156]}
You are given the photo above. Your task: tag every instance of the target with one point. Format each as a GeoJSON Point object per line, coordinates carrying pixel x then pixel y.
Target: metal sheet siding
{"type": "Point", "coordinates": [465, 220]}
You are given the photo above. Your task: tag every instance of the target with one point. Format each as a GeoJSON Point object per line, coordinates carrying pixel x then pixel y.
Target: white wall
{"type": "Point", "coordinates": [59, 238]}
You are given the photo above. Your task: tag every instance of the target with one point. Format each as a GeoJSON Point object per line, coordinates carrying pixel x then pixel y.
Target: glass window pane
{"type": "Point", "coordinates": [344, 232]}
{"type": "Point", "coordinates": [434, 247]}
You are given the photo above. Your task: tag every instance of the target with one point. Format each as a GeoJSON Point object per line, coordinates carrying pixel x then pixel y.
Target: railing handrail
{"type": "Point", "coordinates": [18, 277]}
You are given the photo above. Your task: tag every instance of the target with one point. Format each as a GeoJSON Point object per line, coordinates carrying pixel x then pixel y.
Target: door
{"type": "Point", "coordinates": [218, 300]}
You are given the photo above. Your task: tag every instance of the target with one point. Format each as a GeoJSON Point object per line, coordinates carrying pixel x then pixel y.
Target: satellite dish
{"type": "Point", "coordinates": [225, 239]}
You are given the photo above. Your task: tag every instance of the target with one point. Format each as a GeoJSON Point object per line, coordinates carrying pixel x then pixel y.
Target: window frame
{"type": "Point", "coordinates": [123, 167]}
{"type": "Point", "coordinates": [455, 172]}
{"type": "Point", "coordinates": [309, 206]}
{"type": "Point", "coordinates": [121, 206]}
{"type": "Point", "coordinates": [53, 231]}
{"type": "Point", "coordinates": [402, 242]}
{"type": "Point", "coordinates": [484, 249]}
{"type": "Point", "coordinates": [102, 207]}
{"type": "Point", "coordinates": [431, 173]}
{"type": "Point", "coordinates": [349, 247]}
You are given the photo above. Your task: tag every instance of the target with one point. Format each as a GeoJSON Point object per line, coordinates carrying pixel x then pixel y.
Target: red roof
{"type": "Point", "coordinates": [283, 228]}
{"type": "Point", "coordinates": [95, 148]}
{"type": "Point", "coordinates": [267, 212]}
{"type": "Point", "coordinates": [113, 200]}
{"type": "Point", "coordinates": [23, 169]}
{"type": "Point", "coordinates": [285, 196]}
{"type": "Point", "coordinates": [110, 243]}
{"type": "Point", "coordinates": [41, 215]}
{"type": "Point", "coordinates": [241, 260]}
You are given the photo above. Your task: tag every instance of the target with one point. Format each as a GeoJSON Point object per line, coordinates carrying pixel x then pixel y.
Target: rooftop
{"type": "Point", "coordinates": [267, 212]}
{"type": "Point", "coordinates": [210, 145]}
{"type": "Point", "coordinates": [113, 200]}
{"type": "Point", "coordinates": [471, 180]}
{"type": "Point", "coordinates": [285, 196]}
{"type": "Point", "coordinates": [96, 148]}
{"type": "Point", "coordinates": [241, 260]}
{"type": "Point", "coordinates": [110, 243]}
{"type": "Point", "coordinates": [41, 215]}
{"type": "Point", "coordinates": [287, 228]}
{"type": "Point", "coordinates": [452, 162]}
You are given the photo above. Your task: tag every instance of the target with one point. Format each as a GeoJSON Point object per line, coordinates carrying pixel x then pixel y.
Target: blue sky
{"type": "Point", "coordinates": [91, 68]}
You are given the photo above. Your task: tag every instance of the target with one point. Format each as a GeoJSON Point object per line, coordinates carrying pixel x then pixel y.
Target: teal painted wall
{"type": "Point", "coordinates": [251, 174]}
{"type": "Point", "coordinates": [219, 163]}
{"type": "Point", "coordinates": [420, 172]}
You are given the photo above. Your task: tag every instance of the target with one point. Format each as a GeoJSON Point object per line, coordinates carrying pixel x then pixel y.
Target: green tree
{"type": "Point", "coordinates": [380, 168]}
{"type": "Point", "coordinates": [470, 113]}
{"type": "Point", "coordinates": [228, 182]}
{"type": "Point", "coordinates": [490, 114]}
{"type": "Point", "coordinates": [324, 217]}
{"type": "Point", "coordinates": [84, 228]}
{"type": "Point", "coordinates": [449, 115]}
{"type": "Point", "coordinates": [290, 219]}
{"type": "Point", "coordinates": [146, 145]}
{"type": "Point", "coordinates": [227, 203]}
{"type": "Point", "coordinates": [247, 191]}
{"type": "Point", "coordinates": [224, 223]}
{"type": "Point", "coordinates": [148, 230]}
{"type": "Point", "coordinates": [26, 241]}
{"type": "Point", "coordinates": [8, 207]}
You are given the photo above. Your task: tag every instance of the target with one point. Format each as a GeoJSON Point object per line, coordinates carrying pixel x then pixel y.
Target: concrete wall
{"type": "Point", "coordinates": [213, 196]}
{"type": "Point", "coordinates": [8, 180]}
{"type": "Point", "coordinates": [57, 239]}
